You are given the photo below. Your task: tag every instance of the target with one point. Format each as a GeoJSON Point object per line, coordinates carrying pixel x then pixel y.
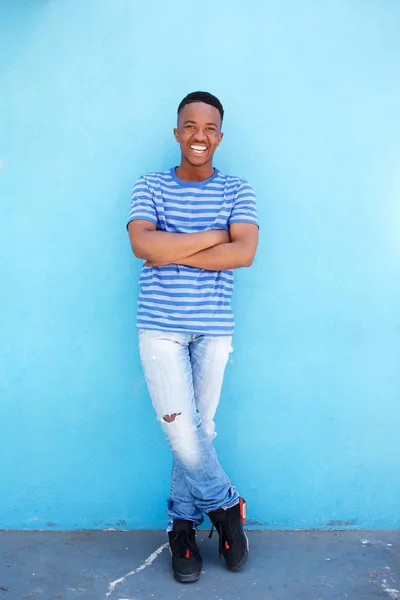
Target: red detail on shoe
{"type": "Point", "coordinates": [242, 505]}
{"type": "Point", "coordinates": [187, 555]}
{"type": "Point", "coordinates": [227, 547]}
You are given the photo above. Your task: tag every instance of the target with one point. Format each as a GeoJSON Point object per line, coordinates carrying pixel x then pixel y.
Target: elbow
{"type": "Point", "coordinates": [138, 246]}
{"type": "Point", "coordinates": [139, 252]}
{"type": "Point", "coordinates": [245, 255]}
{"type": "Point", "coordinates": [248, 260]}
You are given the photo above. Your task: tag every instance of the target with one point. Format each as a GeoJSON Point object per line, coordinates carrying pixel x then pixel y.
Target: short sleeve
{"type": "Point", "coordinates": [244, 205]}
{"type": "Point", "coordinates": [142, 203]}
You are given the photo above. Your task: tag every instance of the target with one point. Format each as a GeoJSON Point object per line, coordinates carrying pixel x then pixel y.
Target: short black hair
{"type": "Point", "coordinates": [202, 97]}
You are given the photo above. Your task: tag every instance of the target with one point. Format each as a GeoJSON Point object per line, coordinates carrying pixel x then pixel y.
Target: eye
{"type": "Point", "coordinates": [210, 129]}
{"type": "Point", "coordinates": [189, 126]}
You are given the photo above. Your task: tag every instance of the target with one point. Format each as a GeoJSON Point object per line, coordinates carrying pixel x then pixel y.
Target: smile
{"type": "Point", "coordinates": [198, 149]}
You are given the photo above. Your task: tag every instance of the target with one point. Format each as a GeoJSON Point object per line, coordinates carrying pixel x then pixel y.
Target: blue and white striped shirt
{"type": "Point", "coordinates": [179, 298]}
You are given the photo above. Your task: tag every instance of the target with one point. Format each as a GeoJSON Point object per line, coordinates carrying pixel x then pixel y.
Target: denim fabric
{"type": "Point", "coordinates": [184, 375]}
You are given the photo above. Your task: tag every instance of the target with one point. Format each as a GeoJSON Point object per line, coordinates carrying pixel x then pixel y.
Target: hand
{"type": "Point", "coordinates": [150, 263]}
{"type": "Point", "coordinates": [221, 236]}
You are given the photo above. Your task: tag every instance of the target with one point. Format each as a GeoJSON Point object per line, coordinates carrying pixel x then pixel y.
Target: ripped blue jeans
{"type": "Point", "coordinates": [184, 375]}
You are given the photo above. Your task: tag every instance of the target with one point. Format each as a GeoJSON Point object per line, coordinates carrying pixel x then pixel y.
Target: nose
{"type": "Point", "coordinates": [200, 135]}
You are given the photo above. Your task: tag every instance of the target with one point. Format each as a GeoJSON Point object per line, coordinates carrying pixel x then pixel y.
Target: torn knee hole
{"type": "Point", "coordinates": [170, 418]}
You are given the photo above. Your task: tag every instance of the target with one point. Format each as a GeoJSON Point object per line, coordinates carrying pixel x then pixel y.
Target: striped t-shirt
{"type": "Point", "coordinates": [179, 298]}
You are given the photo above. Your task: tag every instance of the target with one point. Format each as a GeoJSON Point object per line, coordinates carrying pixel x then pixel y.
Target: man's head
{"type": "Point", "coordinates": [198, 132]}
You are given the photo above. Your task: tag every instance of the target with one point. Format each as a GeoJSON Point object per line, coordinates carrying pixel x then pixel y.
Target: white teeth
{"type": "Point", "coordinates": [199, 148]}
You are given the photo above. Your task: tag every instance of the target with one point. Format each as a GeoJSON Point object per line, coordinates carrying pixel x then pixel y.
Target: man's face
{"type": "Point", "coordinates": [198, 132]}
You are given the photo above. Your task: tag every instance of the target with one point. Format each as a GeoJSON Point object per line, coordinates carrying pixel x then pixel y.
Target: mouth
{"type": "Point", "coordinates": [198, 149]}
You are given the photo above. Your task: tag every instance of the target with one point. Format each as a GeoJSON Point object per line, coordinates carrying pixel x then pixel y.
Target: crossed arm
{"type": "Point", "coordinates": [213, 250]}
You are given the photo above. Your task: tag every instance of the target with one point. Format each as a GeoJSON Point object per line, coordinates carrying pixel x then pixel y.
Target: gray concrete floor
{"type": "Point", "coordinates": [129, 565]}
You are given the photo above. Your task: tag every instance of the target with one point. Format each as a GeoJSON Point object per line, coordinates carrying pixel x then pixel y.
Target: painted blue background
{"type": "Point", "coordinates": [309, 420]}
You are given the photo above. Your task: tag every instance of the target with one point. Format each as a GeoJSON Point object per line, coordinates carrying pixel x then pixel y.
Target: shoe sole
{"type": "Point", "coordinates": [187, 578]}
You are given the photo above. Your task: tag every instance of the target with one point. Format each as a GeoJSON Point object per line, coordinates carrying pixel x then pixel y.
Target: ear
{"type": "Point", "coordinates": [176, 134]}
{"type": "Point", "coordinates": [221, 135]}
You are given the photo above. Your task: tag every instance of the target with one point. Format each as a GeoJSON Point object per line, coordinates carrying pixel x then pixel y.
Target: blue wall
{"type": "Point", "coordinates": [309, 420]}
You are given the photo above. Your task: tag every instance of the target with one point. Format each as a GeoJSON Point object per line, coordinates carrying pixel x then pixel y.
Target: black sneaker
{"type": "Point", "coordinates": [186, 559]}
{"type": "Point", "coordinates": [233, 543]}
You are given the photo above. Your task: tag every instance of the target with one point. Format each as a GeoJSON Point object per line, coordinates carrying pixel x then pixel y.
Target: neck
{"type": "Point", "coordinates": [188, 172]}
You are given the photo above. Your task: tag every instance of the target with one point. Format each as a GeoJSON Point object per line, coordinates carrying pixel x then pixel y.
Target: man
{"type": "Point", "coordinates": [192, 225]}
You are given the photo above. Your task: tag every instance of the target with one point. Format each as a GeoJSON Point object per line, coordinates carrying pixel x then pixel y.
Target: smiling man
{"type": "Point", "coordinates": [192, 225]}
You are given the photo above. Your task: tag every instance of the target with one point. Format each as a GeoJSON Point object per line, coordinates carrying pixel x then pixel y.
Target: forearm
{"type": "Point", "coordinates": [220, 258]}
{"type": "Point", "coordinates": [171, 247]}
